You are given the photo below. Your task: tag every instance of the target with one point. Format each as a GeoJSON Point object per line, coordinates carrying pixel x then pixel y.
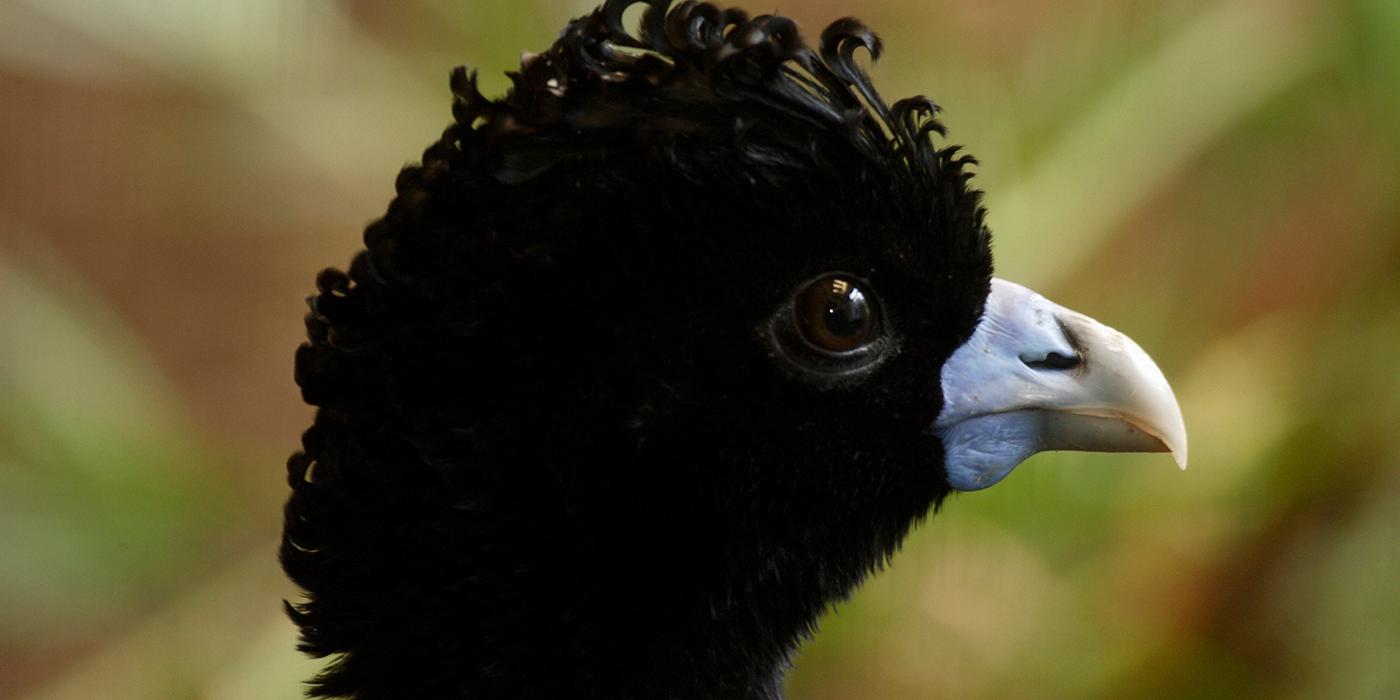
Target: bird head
{"type": "Point", "coordinates": [659, 355]}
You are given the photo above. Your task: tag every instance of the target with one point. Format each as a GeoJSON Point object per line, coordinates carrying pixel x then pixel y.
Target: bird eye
{"type": "Point", "coordinates": [832, 328]}
{"type": "Point", "coordinates": [836, 314]}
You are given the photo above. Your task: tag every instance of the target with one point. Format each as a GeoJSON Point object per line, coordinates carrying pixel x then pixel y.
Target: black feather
{"type": "Point", "coordinates": [556, 453]}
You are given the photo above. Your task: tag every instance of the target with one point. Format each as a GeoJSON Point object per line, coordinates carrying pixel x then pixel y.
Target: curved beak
{"type": "Point", "coordinates": [1036, 376]}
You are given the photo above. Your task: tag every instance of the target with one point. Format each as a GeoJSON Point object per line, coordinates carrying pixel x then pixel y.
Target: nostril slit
{"type": "Point", "coordinates": [1054, 360]}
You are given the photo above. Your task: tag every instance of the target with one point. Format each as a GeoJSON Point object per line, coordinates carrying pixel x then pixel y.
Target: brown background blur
{"type": "Point", "coordinates": [1217, 178]}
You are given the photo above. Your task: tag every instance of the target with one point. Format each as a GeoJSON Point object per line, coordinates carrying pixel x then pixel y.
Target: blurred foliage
{"type": "Point", "coordinates": [1217, 178]}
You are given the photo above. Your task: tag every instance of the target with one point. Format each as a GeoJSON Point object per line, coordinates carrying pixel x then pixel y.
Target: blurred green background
{"type": "Point", "coordinates": [1216, 178]}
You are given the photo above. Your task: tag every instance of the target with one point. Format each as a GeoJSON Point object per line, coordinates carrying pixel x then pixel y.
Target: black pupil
{"type": "Point", "coordinates": [846, 311]}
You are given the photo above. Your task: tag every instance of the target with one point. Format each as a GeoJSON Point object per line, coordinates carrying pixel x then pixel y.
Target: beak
{"type": "Point", "coordinates": [1036, 376]}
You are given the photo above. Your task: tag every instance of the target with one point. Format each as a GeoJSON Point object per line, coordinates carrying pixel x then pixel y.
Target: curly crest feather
{"type": "Point", "coordinates": [696, 68]}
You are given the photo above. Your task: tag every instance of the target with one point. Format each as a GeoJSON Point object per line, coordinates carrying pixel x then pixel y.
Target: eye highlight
{"type": "Point", "coordinates": [836, 314]}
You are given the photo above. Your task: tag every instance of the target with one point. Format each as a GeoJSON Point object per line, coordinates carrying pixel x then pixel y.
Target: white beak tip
{"type": "Point", "coordinates": [1176, 440]}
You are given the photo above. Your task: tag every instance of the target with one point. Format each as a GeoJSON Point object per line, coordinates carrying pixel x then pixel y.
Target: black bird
{"type": "Point", "coordinates": [655, 358]}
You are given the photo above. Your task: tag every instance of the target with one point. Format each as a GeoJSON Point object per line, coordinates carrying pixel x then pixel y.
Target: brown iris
{"type": "Point", "coordinates": [835, 314]}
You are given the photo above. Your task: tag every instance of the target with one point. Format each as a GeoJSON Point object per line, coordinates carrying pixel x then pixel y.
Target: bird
{"type": "Point", "coordinates": [654, 359]}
